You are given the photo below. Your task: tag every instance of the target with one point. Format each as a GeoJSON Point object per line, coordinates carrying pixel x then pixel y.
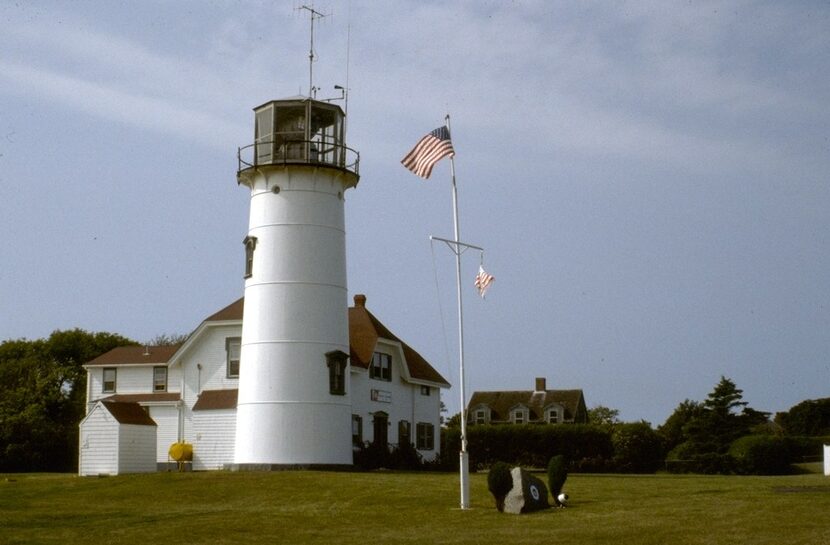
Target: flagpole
{"type": "Point", "coordinates": [464, 461]}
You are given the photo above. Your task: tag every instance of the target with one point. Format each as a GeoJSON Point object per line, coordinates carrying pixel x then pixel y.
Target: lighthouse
{"type": "Point", "coordinates": [294, 406]}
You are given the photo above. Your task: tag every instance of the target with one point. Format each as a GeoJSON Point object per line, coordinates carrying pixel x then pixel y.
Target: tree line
{"type": "Point", "coordinates": [720, 434]}
{"type": "Point", "coordinates": [43, 397]}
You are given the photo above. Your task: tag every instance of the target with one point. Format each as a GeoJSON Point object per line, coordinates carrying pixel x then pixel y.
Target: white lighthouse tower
{"type": "Point", "coordinates": [294, 407]}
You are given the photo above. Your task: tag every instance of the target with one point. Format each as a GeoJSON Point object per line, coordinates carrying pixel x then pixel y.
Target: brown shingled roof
{"type": "Point", "coordinates": [230, 312]}
{"type": "Point", "coordinates": [125, 355]}
{"type": "Point", "coordinates": [216, 400]}
{"type": "Point", "coordinates": [500, 403]}
{"type": "Point", "coordinates": [128, 413]}
{"type": "Point", "coordinates": [364, 331]}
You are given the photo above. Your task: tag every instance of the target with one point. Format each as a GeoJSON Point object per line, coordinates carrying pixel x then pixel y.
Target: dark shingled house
{"type": "Point", "coordinates": [528, 407]}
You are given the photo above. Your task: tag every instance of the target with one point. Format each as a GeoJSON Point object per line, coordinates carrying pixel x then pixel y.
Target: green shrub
{"type": "Point", "coordinates": [530, 445]}
{"type": "Point", "coordinates": [499, 483]}
{"type": "Point", "coordinates": [637, 448]}
{"type": "Point", "coordinates": [760, 455]}
{"type": "Point", "coordinates": [557, 474]}
{"type": "Point", "coordinates": [684, 458]}
{"type": "Point", "coordinates": [804, 449]}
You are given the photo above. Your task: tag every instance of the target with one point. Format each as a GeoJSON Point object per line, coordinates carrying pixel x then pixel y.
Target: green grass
{"type": "Point", "coordinates": [381, 508]}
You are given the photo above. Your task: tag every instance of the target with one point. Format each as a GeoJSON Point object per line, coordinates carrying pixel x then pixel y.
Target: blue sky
{"type": "Point", "coordinates": [649, 180]}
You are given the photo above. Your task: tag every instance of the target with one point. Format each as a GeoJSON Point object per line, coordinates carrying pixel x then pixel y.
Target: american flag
{"type": "Point", "coordinates": [429, 150]}
{"type": "Point", "coordinates": [483, 281]}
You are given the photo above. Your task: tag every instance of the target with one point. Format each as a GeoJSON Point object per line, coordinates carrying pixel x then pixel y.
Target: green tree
{"type": "Point", "coordinates": [602, 415]}
{"type": "Point", "coordinates": [723, 417]}
{"type": "Point", "coordinates": [810, 417]}
{"type": "Point", "coordinates": [42, 397]}
{"type": "Point", "coordinates": [637, 448]}
{"type": "Point", "coordinates": [172, 339]}
{"type": "Point", "coordinates": [672, 429]}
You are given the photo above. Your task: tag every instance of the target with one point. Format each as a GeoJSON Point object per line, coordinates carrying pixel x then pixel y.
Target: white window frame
{"type": "Point", "coordinates": [156, 381]}
{"type": "Point", "coordinates": [104, 380]}
{"type": "Point", "coordinates": [229, 341]}
{"type": "Point", "coordinates": [381, 367]}
{"type": "Point", "coordinates": [519, 415]}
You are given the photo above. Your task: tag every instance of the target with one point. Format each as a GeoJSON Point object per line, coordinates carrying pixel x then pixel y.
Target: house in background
{"type": "Point", "coordinates": [539, 405]}
{"type": "Point", "coordinates": [190, 391]}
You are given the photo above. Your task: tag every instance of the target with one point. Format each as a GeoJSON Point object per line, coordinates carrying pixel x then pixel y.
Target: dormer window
{"type": "Point", "coordinates": [250, 246]}
{"type": "Point", "coordinates": [381, 368]}
{"type": "Point", "coordinates": [519, 415]}
{"type": "Point", "coordinates": [552, 416]}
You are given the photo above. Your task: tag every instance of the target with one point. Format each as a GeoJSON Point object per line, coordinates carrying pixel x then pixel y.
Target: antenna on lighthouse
{"type": "Point", "coordinates": [312, 91]}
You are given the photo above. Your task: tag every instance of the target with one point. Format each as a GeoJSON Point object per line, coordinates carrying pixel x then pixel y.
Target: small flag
{"type": "Point", "coordinates": [429, 150]}
{"type": "Point", "coordinates": [483, 281]}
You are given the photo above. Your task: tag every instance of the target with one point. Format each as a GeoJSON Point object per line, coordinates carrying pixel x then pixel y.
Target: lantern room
{"type": "Point", "coordinates": [299, 130]}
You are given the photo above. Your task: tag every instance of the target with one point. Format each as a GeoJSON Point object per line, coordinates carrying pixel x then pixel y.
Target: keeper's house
{"type": "Point", "coordinates": [536, 406]}
{"type": "Point", "coordinates": [141, 400]}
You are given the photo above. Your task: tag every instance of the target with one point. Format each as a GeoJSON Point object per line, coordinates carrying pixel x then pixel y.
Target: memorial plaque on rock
{"type": "Point", "coordinates": [528, 494]}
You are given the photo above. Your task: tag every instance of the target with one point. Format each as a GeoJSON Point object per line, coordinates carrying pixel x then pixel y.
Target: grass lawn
{"type": "Point", "coordinates": [380, 508]}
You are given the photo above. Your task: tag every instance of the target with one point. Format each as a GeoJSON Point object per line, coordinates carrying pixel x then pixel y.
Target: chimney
{"type": "Point", "coordinates": [360, 300]}
{"type": "Point", "coordinates": [541, 385]}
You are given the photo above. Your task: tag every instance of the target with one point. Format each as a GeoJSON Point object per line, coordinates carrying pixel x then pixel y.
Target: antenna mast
{"type": "Point", "coordinates": [314, 15]}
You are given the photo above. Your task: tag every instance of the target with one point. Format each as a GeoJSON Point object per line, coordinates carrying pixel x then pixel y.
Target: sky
{"type": "Point", "coordinates": [649, 180]}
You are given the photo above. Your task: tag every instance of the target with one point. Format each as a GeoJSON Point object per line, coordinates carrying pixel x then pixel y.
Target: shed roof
{"type": "Point", "coordinates": [212, 400]}
{"type": "Point", "coordinates": [144, 398]}
{"type": "Point", "coordinates": [128, 413]}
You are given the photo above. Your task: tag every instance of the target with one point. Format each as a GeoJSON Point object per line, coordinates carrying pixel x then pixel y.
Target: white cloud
{"type": "Point", "coordinates": [121, 106]}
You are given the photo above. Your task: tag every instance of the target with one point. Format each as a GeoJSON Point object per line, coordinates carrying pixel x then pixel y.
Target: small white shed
{"type": "Point", "coordinates": [115, 438]}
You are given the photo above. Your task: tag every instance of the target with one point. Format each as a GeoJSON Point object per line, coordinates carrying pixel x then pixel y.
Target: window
{"type": "Point", "coordinates": [404, 433]}
{"type": "Point", "coordinates": [426, 436]}
{"type": "Point", "coordinates": [425, 390]}
{"type": "Point", "coordinates": [336, 362]}
{"type": "Point", "coordinates": [553, 416]}
{"type": "Point", "coordinates": [159, 379]}
{"type": "Point", "coordinates": [357, 430]}
{"type": "Point", "coordinates": [250, 246]}
{"type": "Point", "coordinates": [480, 416]}
{"type": "Point", "coordinates": [109, 380]}
{"type": "Point", "coordinates": [380, 424]}
{"type": "Point", "coordinates": [233, 346]}
{"type": "Point", "coordinates": [381, 368]}
{"type": "Point", "coordinates": [519, 416]}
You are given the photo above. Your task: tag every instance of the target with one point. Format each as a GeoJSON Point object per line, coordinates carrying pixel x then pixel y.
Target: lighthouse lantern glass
{"type": "Point", "coordinates": [299, 131]}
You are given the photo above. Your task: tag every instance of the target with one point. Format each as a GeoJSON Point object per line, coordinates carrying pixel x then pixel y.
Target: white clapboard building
{"type": "Point", "coordinates": [189, 393]}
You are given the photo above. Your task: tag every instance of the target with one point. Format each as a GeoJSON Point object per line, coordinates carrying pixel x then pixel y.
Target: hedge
{"type": "Point", "coordinates": [760, 455]}
{"type": "Point", "coordinates": [587, 448]}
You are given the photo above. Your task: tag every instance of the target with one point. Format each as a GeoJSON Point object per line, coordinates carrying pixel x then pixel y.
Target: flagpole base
{"type": "Point", "coordinates": [464, 467]}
